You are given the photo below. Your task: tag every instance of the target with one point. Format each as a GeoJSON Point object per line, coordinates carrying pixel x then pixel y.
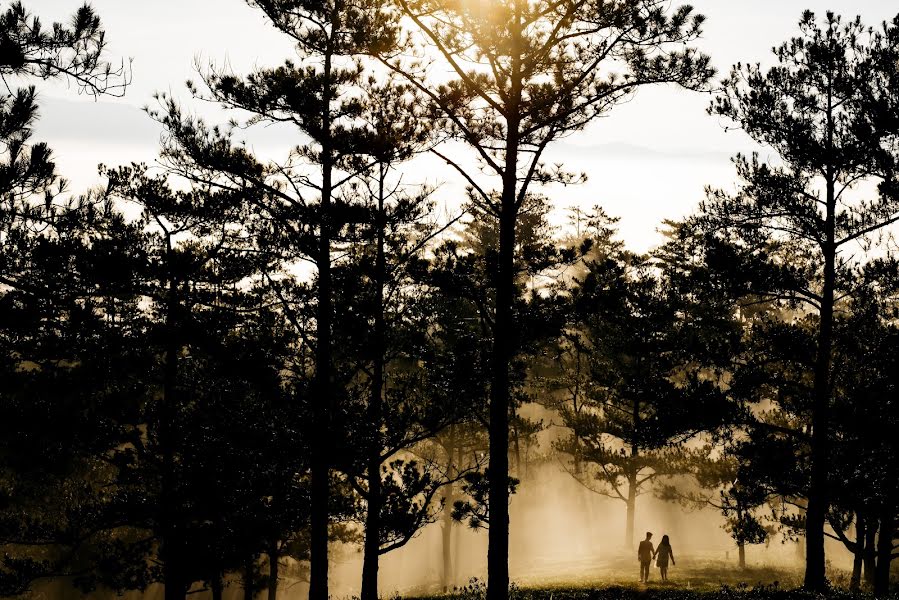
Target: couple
{"type": "Point", "coordinates": [646, 553]}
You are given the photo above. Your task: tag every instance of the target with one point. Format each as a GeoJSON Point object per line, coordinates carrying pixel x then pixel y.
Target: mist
{"type": "Point", "coordinates": [562, 533]}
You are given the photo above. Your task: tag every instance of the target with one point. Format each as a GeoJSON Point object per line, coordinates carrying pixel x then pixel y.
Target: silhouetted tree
{"type": "Point", "coordinates": [196, 258]}
{"type": "Point", "coordinates": [646, 394]}
{"type": "Point", "coordinates": [769, 375]}
{"type": "Point", "coordinates": [462, 442]}
{"type": "Point", "coordinates": [72, 353]}
{"type": "Point", "coordinates": [69, 345]}
{"type": "Point", "coordinates": [525, 74]}
{"type": "Point", "coordinates": [864, 477]}
{"type": "Point", "coordinates": [564, 374]}
{"type": "Point", "coordinates": [812, 109]}
{"type": "Point", "coordinates": [463, 274]}
{"type": "Point", "coordinates": [458, 351]}
{"type": "Point", "coordinates": [28, 50]}
{"type": "Point", "coordinates": [301, 195]}
{"type": "Point", "coordinates": [394, 235]}
{"type": "Point", "coordinates": [717, 471]}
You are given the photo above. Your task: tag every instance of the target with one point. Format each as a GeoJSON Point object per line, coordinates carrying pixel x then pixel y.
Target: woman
{"type": "Point", "coordinates": [663, 553]}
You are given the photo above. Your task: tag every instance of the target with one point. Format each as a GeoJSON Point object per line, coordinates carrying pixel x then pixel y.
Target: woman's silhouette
{"type": "Point", "coordinates": [663, 553]}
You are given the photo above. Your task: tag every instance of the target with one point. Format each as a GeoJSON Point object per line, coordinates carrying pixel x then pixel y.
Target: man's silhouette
{"type": "Point", "coordinates": [644, 554]}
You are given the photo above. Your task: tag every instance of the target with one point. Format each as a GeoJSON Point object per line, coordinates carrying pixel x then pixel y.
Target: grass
{"type": "Point", "coordinates": [690, 580]}
{"type": "Point", "coordinates": [742, 591]}
{"type": "Point", "coordinates": [689, 574]}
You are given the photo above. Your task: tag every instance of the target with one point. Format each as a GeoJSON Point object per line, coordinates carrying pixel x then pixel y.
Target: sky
{"type": "Point", "coordinates": [648, 160]}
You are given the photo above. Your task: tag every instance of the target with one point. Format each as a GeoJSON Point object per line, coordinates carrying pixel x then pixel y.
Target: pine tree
{"type": "Point", "coordinates": [28, 50]}
{"type": "Point", "coordinates": [525, 74]}
{"type": "Point", "coordinates": [814, 109]}
{"type": "Point", "coordinates": [301, 195]}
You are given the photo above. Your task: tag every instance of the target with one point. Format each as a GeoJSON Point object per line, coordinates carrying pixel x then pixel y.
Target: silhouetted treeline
{"type": "Point", "coordinates": [215, 366]}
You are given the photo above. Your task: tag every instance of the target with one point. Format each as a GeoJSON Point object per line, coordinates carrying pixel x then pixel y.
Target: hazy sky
{"type": "Point", "coordinates": [649, 160]}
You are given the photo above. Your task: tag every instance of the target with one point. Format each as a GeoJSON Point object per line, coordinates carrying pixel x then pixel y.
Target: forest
{"type": "Point", "coordinates": [243, 376]}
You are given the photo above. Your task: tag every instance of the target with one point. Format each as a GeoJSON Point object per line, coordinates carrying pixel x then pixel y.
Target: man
{"type": "Point", "coordinates": [644, 554]}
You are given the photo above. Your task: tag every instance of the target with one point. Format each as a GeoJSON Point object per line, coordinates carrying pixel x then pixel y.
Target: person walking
{"type": "Point", "coordinates": [663, 554]}
{"type": "Point", "coordinates": [645, 552]}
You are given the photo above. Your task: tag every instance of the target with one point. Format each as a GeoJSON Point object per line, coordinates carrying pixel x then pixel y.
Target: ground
{"type": "Point", "coordinates": [689, 573]}
{"type": "Point", "coordinates": [690, 580]}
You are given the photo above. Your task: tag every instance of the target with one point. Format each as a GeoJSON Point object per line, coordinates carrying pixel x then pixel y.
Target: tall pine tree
{"type": "Point", "coordinates": [525, 73]}
{"type": "Point", "coordinates": [814, 108]}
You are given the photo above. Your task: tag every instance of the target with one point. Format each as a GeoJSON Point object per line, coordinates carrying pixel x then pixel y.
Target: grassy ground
{"type": "Point", "coordinates": [689, 573]}
{"type": "Point", "coordinates": [659, 591]}
{"type": "Point", "coordinates": [689, 580]}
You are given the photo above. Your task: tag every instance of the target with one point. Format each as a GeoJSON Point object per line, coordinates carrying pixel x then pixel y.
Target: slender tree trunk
{"type": "Point", "coordinates": [858, 555]}
{"type": "Point", "coordinates": [372, 546]}
{"type": "Point", "coordinates": [576, 395]}
{"type": "Point", "coordinates": [577, 453]}
{"type": "Point", "coordinates": [274, 555]}
{"type": "Point", "coordinates": [517, 450]}
{"type": "Point", "coordinates": [449, 498]}
{"type": "Point", "coordinates": [498, 532]}
{"type": "Point", "coordinates": [503, 343]}
{"type": "Point", "coordinates": [249, 593]}
{"type": "Point", "coordinates": [631, 509]}
{"type": "Point", "coordinates": [217, 587]}
{"type": "Point", "coordinates": [632, 475]}
{"type": "Point", "coordinates": [446, 541]}
{"type": "Point", "coordinates": [323, 384]}
{"type": "Point", "coordinates": [870, 560]}
{"type": "Point", "coordinates": [885, 547]}
{"type": "Point", "coordinates": [171, 551]}
{"type": "Point", "coordinates": [741, 543]}
{"type": "Point", "coordinates": [816, 512]}
{"type": "Point", "coordinates": [457, 545]}
{"type": "Point", "coordinates": [320, 471]}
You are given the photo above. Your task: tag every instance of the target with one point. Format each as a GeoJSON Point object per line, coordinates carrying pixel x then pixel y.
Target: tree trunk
{"type": "Point", "coordinates": [446, 539]}
{"type": "Point", "coordinates": [175, 587]}
{"type": "Point", "coordinates": [859, 553]}
{"type": "Point", "coordinates": [248, 570]}
{"type": "Point", "coordinates": [372, 546]}
{"type": "Point", "coordinates": [273, 567]}
{"type": "Point", "coordinates": [884, 548]}
{"type": "Point", "coordinates": [504, 332]}
{"type": "Point", "coordinates": [217, 587]}
{"type": "Point", "coordinates": [171, 551]}
{"type": "Point", "coordinates": [517, 452]}
{"type": "Point", "coordinates": [319, 514]}
{"type": "Point", "coordinates": [815, 576]}
{"type": "Point", "coordinates": [575, 397]}
{"type": "Point", "coordinates": [741, 543]}
{"type": "Point", "coordinates": [447, 525]}
{"type": "Point", "coordinates": [498, 532]}
{"type": "Point", "coordinates": [632, 476]}
{"type": "Point", "coordinates": [457, 549]}
{"type": "Point", "coordinates": [870, 560]}
{"type": "Point", "coordinates": [503, 345]}
{"type": "Point", "coordinates": [457, 531]}
{"type": "Point", "coordinates": [320, 471]}
{"type": "Point", "coordinates": [631, 510]}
